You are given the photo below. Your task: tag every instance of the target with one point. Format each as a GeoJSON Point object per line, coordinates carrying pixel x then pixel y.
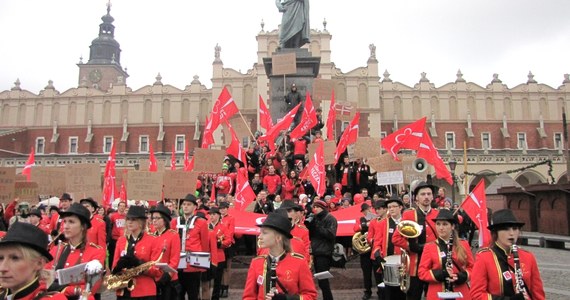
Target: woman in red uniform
{"type": "Point", "coordinates": [281, 274]}
{"type": "Point", "coordinates": [23, 255]}
{"type": "Point", "coordinates": [76, 250]}
{"type": "Point", "coordinates": [495, 271]}
{"type": "Point", "coordinates": [436, 269]}
{"type": "Point", "coordinates": [167, 284]}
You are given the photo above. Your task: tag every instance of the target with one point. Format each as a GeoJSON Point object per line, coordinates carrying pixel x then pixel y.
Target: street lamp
{"type": "Point", "coordinates": [452, 166]}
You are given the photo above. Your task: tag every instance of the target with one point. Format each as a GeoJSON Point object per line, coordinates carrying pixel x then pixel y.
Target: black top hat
{"type": "Point", "coordinates": [163, 210]}
{"type": "Point", "coordinates": [224, 205]}
{"type": "Point", "coordinates": [36, 212]}
{"type": "Point", "coordinates": [136, 212]}
{"type": "Point", "coordinates": [65, 196]}
{"type": "Point", "coordinates": [80, 211]}
{"type": "Point", "coordinates": [278, 222]}
{"type": "Point", "coordinates": [395, 198]}
{"type": "Point", "coordinates": [446, 215]}
{"type": "Point", "coordinates": [53, 207]}
{"type": "Point", "coordinates": [289, 204]}
{"type": "Point", "coordinates": [27, 235]}
{"type": "Point", "coordinates": [90, 201]}
{"type": "Point", "coordinates": [380, 204]}
{"type": "Point", "coordinates": [214, 210]}
{"type": "Point", "coordinates": [424, 184]}
{"type": "Point", "coordinates": [190, 198]}
{"type": "Point", "coordinates": [364, 206]}
{"type": "Point", "coordinates": [504, 218]}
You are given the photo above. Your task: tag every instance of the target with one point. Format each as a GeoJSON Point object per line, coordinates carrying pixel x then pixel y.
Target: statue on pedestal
{"type": "Point", "coordinates": [295, 29]}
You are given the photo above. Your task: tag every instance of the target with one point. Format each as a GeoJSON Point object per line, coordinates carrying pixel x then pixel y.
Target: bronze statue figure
{"type": "Point", "coordinates": [295, 28]}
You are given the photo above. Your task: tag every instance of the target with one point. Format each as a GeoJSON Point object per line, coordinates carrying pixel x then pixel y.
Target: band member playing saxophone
{"type": "Point", "coordinates": [496, 274]}
{"type": "Point", "coordinates": [447, 263]}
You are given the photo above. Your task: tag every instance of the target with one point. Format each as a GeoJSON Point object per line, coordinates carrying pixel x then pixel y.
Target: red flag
{"type": "Point", "coordinates": [265, 120]}
{"type": "Point", "coordinates": [29, 164]}
{"type": "Point", "coordinates": [153, 165]}
{"type": "Point", "coordinates": [244, 194]}
{"type": "Point", "coordinates": [109, 189]}
{"type": "Point", "coordinates": [475, 205]}
{"type": "Point", "coordinates": [348, 137]}
{"type": "Point", "coordinates": [283, 124]}
{"type": "Point", "coordinates": [224, 108]}
{"type": "Point", "coordinates": [187, 159]}
{"type": "Point", "coordinates": [123, 192]}
{"type": "Point", "coordinates": [173, 159]}
{"type": "Point", "coordinates": [308, 119]}
{"type": "Point", "coordinates": [235, 147]}
{"type": "Point", "coordinates": [429, 152]}
{"type": "Point", "coordinates": [213, 192]}
{"type": "Point", "coordinates": [408, 137]}
{"type": "Point", "coordinates": [331, 119]}
{"type": "Point", "coordinates": [316, 170]}
{"type": "Point", "coordinates": [208, 134]}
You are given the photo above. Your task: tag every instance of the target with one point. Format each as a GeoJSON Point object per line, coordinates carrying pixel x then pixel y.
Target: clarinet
{"type": "Point", "coordinates": [449, 264]}
{"type": "Point", "coordinates": [273, 281]}
{"type": "Point", "coordinates": [519, 283]}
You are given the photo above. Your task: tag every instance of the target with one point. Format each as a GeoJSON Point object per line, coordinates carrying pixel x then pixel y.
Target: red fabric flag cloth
{"type": "Point", "coordinates": [428, 151]}
{"type": "Point", "coordinates": [235, 147]}
{"type": "Point", "coordinates": [246, 222]}
{"type": "Point", "coordinates": [346, 218]}
{"type": "Point", "coordinates": [265, 120]}
{"type": "Point", "coordinates": [208, 134]}
{"type": "Point", "coordinates": [153, 165]}
{"type": "Point", "coordinates": [283, 124]}
{"type": "Point", "coordinates": [316, 170]}
{"type": "Point", "coordinates": [244, 193]}
{"type": "Point", "coordinates": [224, 108]}
{"type": "Point", "coordinates": [173, 159]}
{"type": "Point", "coordinates": [331, 119]}
{"type": "Point", "coordinates": [29, 164]}
{"type": "Point", "coordinates": [308, 119]}
{"type": "Point", "coordinates": [407, 137]}
{"type": "Point", "coordinates": [475, 205]}
{"type": "Point", "coordinates": [348, 137]}
{"type": "Point", "coordinates": [109, 188]}
{"type": "Point", "coordinates": [123, 192]}
{"type": "Point", "coordinates": [188, 165]}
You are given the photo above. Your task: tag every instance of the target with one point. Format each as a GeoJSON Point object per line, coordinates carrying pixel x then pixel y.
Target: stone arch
{"type": "Point", "coordinates": [529, 177]}
{"type": "Point", "coordinates": [106, 112]}
{"type": "Point", "coordinates": [147, 111]}
{"type": "Point", "coordinates": [124, 109]}
{"type": "Point", "coordinates": [89, 111]}
{"type": "Point", "coordinates": [340, 91]}
{"type": "Point", "coordinates": [416, 107]}
{"type": "Point", "coordinates": [453, 108]}
{"type": "Point", "coordinates": [481, 175]}
{"type": "Point", "coordinates": [472, 107]}
{"type": "Point", "coordinates": [508, 107]}
{"type": "Point", "coordinates": [22, 114]}
{"type": "Point", "coordinates": [185, 112]}
{"type": "Point", "coordinates": [489, 109]}
{"type": "Point", "coordinates": [434, 104]}
{"type": "Point", "coordinates": [166, 110]}
{"type": "Point", "coordinates": [543, 107]}
{"type": "Point", "coordinates": [363, 96]}
{"type": "Point", "coordinates": [72, 113]}
{"type": "Point", "coordinates": [562, 179]}
{"type": "Point", "coordinates": [39, 114]}
{"type": "Point", "coordinates": [525, 109]}
{"type": "Point", "coordinates": [204, 108]}
{"type": "Point", "coordinates": [6, 114]}
{"type": "Point", "coordinates": [315, 48]}
{"type": "Point", "coordinates": [398, 108]}
{"type": "Point", "coordinates": [248, 99]}
{"type": "Point", "coordinates": [55, 112]}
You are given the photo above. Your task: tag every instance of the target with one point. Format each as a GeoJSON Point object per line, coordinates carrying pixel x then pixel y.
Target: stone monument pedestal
{"type": "Point", "coordinates": [307, 71]}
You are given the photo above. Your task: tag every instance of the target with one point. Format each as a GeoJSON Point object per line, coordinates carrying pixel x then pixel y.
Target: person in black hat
{"type": "Point", "coordinates": [168, 283]}
{"type": "Point", "coordinates": [35, 218]}
{"type": "Point", "coordinates": [447, 263]}
{"type": "Point", "coordinates": [219, 240]}
{"type": "Point", "coordinates": [134, 248]}
{"type": "Point", "coordinates": [76, 249]}
{"type": "Point", "coordinates": [423, 215]}
{"type": "Point", "coordinates": [298, 230]}
{"type": "Point", "coordinates": [24, 256]}
{"type": "Point", "coordinates": [495, 271]}
{"type": "Point", "coordinates": [97, 234]}
{"type": "Point", "coordinates": [282, 274]}
{"type": "Point", "coordinates": [229, 222]}
{"type": "Point", "coordinates": [56, 224]}
{"type": "Point", "coordinates": [361, 225]}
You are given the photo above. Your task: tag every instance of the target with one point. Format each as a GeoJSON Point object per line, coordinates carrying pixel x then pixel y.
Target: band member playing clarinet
{"type": "Point", "coordinates": [504, 271]}
{"type": "Point", "coordinates": [447, 263]}
{"type": "Point", "coordinates": [282, 274]}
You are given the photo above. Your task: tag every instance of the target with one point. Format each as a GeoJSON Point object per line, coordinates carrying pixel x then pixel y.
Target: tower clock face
{"type": "Point", "coordinates": [95, 75]}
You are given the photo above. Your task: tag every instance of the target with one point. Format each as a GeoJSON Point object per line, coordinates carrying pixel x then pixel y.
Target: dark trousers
{"type": "Point", "coordinates": [366, 266]}
{"type": "Point", "coordinates": [416, 288]}
{"type": "Point", "coordinates": [394, 293]}
{"type": "Point", "coordinates": [168, 290]}
{"type": "Point", "coordinates": [111, 249]}
{"type": "Point", "coordinates": [190, 282]}
{"type": "Point", "coordinates": [323, 263]}
{"type": "Point", "coordinates": [218, 273]}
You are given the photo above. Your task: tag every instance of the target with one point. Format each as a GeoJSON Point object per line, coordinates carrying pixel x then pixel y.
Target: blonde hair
{"type": "Point", "coordinates": [30, 254]}
{"type": "Point", "coordinates": [142, 222]}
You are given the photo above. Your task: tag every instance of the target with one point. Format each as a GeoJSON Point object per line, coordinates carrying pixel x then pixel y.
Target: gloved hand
{"type": "Point", "coordinates": [164, 279]}
{"type": "Point", "coordinates": [93, 267]}
{"type": "Point", "coordinates": [415, 246]}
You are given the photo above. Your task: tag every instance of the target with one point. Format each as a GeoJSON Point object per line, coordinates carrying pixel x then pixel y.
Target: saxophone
{"type": "Point", "coordinates": [126, 278]}
{"type": "Point", "coordinates": [519, 283]}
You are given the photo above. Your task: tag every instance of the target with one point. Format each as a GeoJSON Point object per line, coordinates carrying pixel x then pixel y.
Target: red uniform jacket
{"type": "Point", "coordinates": [118, 225]}
{"type": "Point", "coordinates": [294, 276]}
{"type": "Point", "coordinates": [197, 237]}
{"type": "Point", "coordinates": [171, 242]}
{"type": "Point", "coordinates": [146, 249]}
{"type": "Point", "coordinates": [56, 223]}
{"type": "Point", "coordinates": [288, 189]}
{"type": "Point", "coordinates": [297, 247]}
{"type": "Point", "coordinates": [493, 278]}
{"type": "Point", "coordinates": [301, 232]}
{"type": "Point", "coordinates": [218, 233]}
{"type": "Point", "coordinates": [381, 234]}
{"type": "Point", "coordinates": [431, 267]}
{"type": "Point", "coordinates": [44, 227]}
{"type": "Point", "coordinates": [97, 234]}
{"type": "Point", "coordinates": [77, 256]}
{"type": "Point", "coordinates": [230, 223]}
{"type": "Point", "coordinates": [428, 231]}
{"type": "Point", "coordinates": [31, 292]}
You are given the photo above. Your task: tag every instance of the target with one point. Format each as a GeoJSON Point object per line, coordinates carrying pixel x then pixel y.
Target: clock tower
{"type": "Point", "coordinates": [103, 70]}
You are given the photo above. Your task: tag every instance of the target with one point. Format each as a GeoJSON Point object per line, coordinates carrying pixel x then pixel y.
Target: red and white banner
{"type": "Point", "coordinates": [475, 205]}
{"type": "Point", "coordinates": [308, 119]}
{"type": "Point", "coordinates": [348, 137]}
{"type": "Point", "coordinates": [407, 137]}
{"type": "Point", "coordinates": [109, 188]}
{"type": "Point", "coordinates": [153, 164]}
{"type": "Point", "coordinates": [265, 120]}
{"type": "Point", "coordinates": [331, 119]}
{"type": "Point", "coordinates": [316, 170]}
{"type": "Point", "coordinates": [29, 164]}
{"type": "Point", "coordinates": [244, 193]}
{"type": "Point", "coordinates": [428, 151]}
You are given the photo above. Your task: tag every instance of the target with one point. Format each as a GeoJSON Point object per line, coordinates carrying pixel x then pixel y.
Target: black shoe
{"type": "Point", "coordinates": [224, 291]}
{"type": "Point", "coordinates": [367, 295]}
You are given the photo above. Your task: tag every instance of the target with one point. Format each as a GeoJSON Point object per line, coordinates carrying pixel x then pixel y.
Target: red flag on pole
{"type": "Point", "coordinates": [428, 151]}
{"type": "Point", "coordinates": [187, 158]}
{"type": "Point", "coordinates": [153, 165]}
{"type": "Point", "coordinates": [29, 164]}
{"type": "Point", "coordinates": [348, 137]}
{"type": "Point", "coordinates": [123, 192]}
{"type": "Point", "coordinates": [208, 134]}
{"type": "Point", "coordinates": [224, 108]}
{"type": "Point", "coordinates": [408, 137]}
{"type": "Point", "coordinates": [331, 119]}
{"type": "Point", "coordinates": [308, 119]}
{"type": "Point", "coordinates": [109, 189]}
{"type": "Point", "coordinates": [173, 159]}
{"type": "Point", "coordinates": [475, 205]}
{"type": "Point", "coordinates": [283, 124]}
{"type": "Point", "coordinates": [235, 147]}
{"type": "Point", "coordinates": [316, 170]}
{"type": "Point", "coordinates": [265, 120]}
{"type": "Point", "coordinates": [244, 193]}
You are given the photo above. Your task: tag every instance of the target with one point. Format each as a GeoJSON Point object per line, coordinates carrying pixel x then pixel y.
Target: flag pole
{"type": "Point", "coordinates": [245, 122]}
{"type": "Point", "coordinates": [465, 181]}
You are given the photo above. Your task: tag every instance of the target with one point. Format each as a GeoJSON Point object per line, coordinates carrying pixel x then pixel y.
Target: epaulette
{"type": "Point", "coordinates": [260, 256]}
{"type": "Point", "coordinates": [297, 255]}
{"type": "Point", "coordinates": [484, 249]}
{"type": "Point", "coordinates": [95, 245]}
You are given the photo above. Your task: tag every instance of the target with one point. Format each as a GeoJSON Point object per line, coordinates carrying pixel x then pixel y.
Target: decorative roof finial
{"type": "Point", "coordinates": [530, 78]}
{"type": "Point", "coordinates": [217, 51]}
{"type": "Point", "coordinates": [566, 78]}
{"type": "Point", "coordinates": [325, 24]}
{"type": "Point", "coordinates": [109, 7]}
{"type": "Point", "coordinates": [496, 78]}
{"type": "Point", "coordinates": [424, 77]}
{"type": "Point", "coordinates": [158, 79]}
{"type": "Point", "coordinates": [17, 85]}
{"type": "Point", "coordinates": [459, 76]}
{"type": "Point", "coordinates": [50, 85]}
{"type": "Point", "coordinates": [386, 77]}
{"type": "Point", "coordinates": [262, 26]}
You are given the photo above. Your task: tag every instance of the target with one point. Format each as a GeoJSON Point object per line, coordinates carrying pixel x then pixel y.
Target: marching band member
{"type": "Point", "coordinates": [382, 245]}
{"type": "Point", "coordinates": [23, 255]}
{"type": "Point", "coordinates": [229, 222]}
{"type": "Point", "coordinates": [219, 241]}
{"type": "Point", "coordinates": [76, 249]}
{"type": "Point", "coordinates": [504, 271]}
{"type": "Point", "coordinates": [97, 234]}
{"type": "Point", "coordinates": [423, 215]}
{"type": "Point", "coordinates": [279, 275]}
{"type": "Point", "coordinates": [361, 225]}
{"type": "Point", "coordinates": [193, 232]}
{"type": "Point", "coordinates": [133, 249]}
{"type": "Point", "coordinates": [447, 263]}
{"type": "Point", "coordinates": [167, 284]}
{"type": "Point", "coordinates": [56, 224]}
{"type": "Point", "coordinates": [35, 219]}
{"type": "Point", "coordinates": [298, 230]}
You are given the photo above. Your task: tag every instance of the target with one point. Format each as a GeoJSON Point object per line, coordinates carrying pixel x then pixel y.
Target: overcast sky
{"type": "Point", "coordinates": [43, 40]}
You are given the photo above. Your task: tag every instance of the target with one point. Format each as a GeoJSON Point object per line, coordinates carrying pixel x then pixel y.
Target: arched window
{"type": "Point", "coordinates": [248, 99]}
{"type": "Point", "coordinates": [363, 96]}
{"type": "Point", "coordinates": [72, 113]}
{"type": "Point", "coordinates": [340, 92]}
{"type": "Point", "coordinates": [185, 113]}
{"type": "Point", "coordinates": [55, 112]}
{"type": "Point", "coordinates": [166, 110]}
{"type": "Point", "coordinates": [106, 112]}
{"type": "Point", "coordinates": [490, 108]}
{"type": "Point", "coordinates": [453, 108]}
{"type": "Point", "coordinates": [22, 114]}
{"type": "Point", "coordinates": [39, 114]}
{"type": "Point", "coordinates": [89, 112]}
{"type": "Point", "coordinates": [434, 103]}
{"type": "Point", "coordinates": [124, 109]}
{"type": "Point", "coordinates": [147, 111]}
{"type": "Point", "coordinates": [416, 107]}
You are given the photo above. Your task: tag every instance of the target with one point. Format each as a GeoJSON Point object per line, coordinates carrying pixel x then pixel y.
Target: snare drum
{"type": "Point", "coordinates": [392, 270]}
{"type": "Point", "coordinates": [199, 259]}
